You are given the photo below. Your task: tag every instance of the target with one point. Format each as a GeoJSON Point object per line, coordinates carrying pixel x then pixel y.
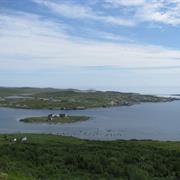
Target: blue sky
{"type": "Point", "coordinates": [125, 45]}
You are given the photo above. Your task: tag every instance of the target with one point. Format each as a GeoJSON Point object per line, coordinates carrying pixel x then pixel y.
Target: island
{"type": "Point", "coordinates": [55, 118]}
{"type": "Point", "coordinates": [71, 99]}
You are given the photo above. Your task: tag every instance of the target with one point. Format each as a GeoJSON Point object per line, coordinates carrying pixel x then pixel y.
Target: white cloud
{"type": "Point", "coordinates": [66, 9]}
{"type": "Point", "coordinates": [126, 2]}
{"type": "Point", "coordinates": [29, 42]}
{"type": "Point", "coordinates": [27, 24]}
{"type": "Point", "coordinates": [77, 11]}
{"type": "Point", "coordinates": [160, 11]}
{"type": "Point", "coordinates": [137, 11]}
{"type": "Point", "coordinates": [103, 35]}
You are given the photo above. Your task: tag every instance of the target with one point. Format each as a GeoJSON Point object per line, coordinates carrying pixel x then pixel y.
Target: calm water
{"type": "Point", "coordinates": [159, 121]}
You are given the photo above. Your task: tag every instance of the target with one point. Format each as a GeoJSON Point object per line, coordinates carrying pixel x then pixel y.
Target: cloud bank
{"type": "Point", "coordinates": [29, 41]}
{"type": "Point", "coordinates": [107, 43]}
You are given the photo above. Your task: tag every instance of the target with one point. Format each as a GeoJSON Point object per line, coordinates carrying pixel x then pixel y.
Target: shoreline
{"type": "Point", "coordinates": [171, 99]}
{"type": "Point", "coordinates": [72, 99]}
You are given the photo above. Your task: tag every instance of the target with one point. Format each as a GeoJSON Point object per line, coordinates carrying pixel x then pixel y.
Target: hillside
{"type": "Point", "coordinates": [58, 157]}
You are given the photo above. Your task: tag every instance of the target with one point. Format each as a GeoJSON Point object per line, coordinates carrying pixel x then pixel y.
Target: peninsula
{"type": "Point", "coordinates": [65, 99]}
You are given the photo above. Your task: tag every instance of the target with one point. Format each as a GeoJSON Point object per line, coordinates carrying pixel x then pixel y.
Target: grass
{"type": "Point", "coordinates": [44, 119]}
{"type": "Point", "coordinates": [71, 99]}
{"type": "Point", "coordinates": [57, 157]}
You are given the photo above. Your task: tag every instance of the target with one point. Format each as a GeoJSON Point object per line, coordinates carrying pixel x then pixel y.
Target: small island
{"type": "Point", "coordinates": [55, 118]}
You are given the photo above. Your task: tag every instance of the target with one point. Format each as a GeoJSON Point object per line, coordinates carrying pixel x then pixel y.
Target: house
{"type": "Point", "coordinates": [43, 99]}
{"type": "Point", "coordinates": [14, 140]}
{"type": "Point", "coordinates": [24, 139]}
{"type": "Point", "coordinates": [50, 118]}
{"type": "Point", "coordinates": [80, 108]}
{"type": "Point", "coordinates": [55, 115]}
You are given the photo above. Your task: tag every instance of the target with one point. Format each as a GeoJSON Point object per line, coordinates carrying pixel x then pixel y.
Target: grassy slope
{"type": "Point", "coordinates": [57, 157]}
{"type": "Point", "coordinates": [7, 91]}
{"type": "Point", "coordinates": [44, 119]}
{"type": "Point", "coordinates": [56, 98]}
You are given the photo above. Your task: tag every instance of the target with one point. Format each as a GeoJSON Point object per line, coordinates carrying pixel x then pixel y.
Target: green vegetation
{"type": "Point", "coordinates": [7, 91]}
{"type": "Point", "coordinates": [58, 157]}
{"type": "Point", "coordinates": [48, 98]}
{"type": "Point", "coordinates": [44, 119]}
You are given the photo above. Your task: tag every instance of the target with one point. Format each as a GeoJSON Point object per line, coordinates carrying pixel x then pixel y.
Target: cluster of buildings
{"type": "Point", "coordinates": [51, 116]}
{"type": "Point", "coordinates": [23, 139]}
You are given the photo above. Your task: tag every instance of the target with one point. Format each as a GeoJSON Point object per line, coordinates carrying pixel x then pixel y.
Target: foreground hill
{"type": "Point", "coordinates": [58, 157]}
{"type": "Point", "coordinates": [69, 98]}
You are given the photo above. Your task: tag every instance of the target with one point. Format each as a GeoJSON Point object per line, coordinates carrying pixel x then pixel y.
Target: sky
{"type": "Point", "coordinates": [123, 45]}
